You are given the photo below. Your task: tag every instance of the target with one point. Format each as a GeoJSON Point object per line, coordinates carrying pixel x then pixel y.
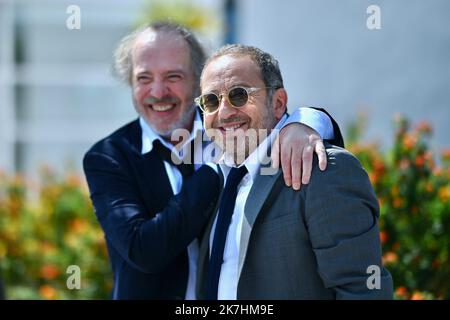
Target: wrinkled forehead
{"type": "Point", "coordinates": [227, 71]}
{"type": "Point", "coordinates": [161, 48]}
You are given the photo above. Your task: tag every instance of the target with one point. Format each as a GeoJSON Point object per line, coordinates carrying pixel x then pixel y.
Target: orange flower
{"type": "Point", "coordinates": [402, 292]}
{"type": "Point", "coordinates": [417, 296]}
{"type": "Point", "coordinates": [420, 161]}
{"type": "Point", "coordinates": [49, 271]}
{"type": "Point", "coordinates": [390, 257]}
{"type": "Point", "coordinates": [378, 165]}
{"type": "Point", "coordinates": [48, 292]}
{"type": "Point", "coordinates": [424, 126]}
{"type": "Point", "coordinates": [73, 180]}
{"type": "Point", "coordinates": [78, 225]}
{"type": "Point", "coordinates": [48, 248]}
{"type": "Point", "coordinates": [384, 236]}
{"type": "Point", "coordinates": [397, 203]}
{"type": "Point", "coordinates": [429, 187]}
{"type": "Point", "coordinates": [409, 141]}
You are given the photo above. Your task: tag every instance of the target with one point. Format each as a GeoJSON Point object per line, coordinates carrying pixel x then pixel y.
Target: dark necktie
{"type": "Point", "coordinates": [165, 154]}
{"type": "Point", "coordinates": [226, 209]}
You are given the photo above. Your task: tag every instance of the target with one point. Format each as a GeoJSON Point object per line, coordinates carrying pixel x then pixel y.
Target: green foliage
{"type": "Point", "coordinates": [43, 230]}
{"type": "Point", "coordinates": [414, 194]}
{"type": "Point", "coordinates": [178, 11]}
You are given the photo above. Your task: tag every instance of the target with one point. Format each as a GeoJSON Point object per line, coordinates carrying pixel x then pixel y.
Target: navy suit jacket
{"type": "Point", "coordinates": [147, 228]}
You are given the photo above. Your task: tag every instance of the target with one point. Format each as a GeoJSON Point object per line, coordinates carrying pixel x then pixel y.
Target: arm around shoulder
{"type": "Point", "coordinates": [147, 240]}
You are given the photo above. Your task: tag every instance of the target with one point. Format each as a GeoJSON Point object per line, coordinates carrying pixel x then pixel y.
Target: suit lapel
{"type": "Point", "coordinates": [258, 196]}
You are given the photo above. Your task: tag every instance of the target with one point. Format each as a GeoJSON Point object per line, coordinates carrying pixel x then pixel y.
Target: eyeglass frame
{"type": "Point", "coordinates": [248, 90]}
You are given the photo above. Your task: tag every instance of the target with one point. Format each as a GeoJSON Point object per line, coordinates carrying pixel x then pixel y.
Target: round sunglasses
{"type": "Point", "coordinates": [237, 97]}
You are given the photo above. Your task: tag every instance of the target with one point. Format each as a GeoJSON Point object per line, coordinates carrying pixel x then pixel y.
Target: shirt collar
{"type": "Point", "coordinates": [254, 160]}
{"type": "Point", "coordinates": [149, 135]}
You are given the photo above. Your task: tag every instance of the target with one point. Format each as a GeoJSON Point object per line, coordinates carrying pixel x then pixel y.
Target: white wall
{"type": "Point", "coordinates": [329, 58]}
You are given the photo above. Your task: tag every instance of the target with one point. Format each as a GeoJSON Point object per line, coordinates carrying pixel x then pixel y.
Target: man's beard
{"type": "Point", "coordinates": [241, 145]}
{"type": "Point", "coordinates": [185, 121]}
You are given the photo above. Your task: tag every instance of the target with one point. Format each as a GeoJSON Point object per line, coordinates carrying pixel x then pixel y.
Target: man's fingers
{"type": "Point", "coordinates": [296, 168]}
{"type": "Point", "coordinates": [286, 165]}
{"type": "Point", "coordinates": [275, 153]}
{"type": "Point", "coordinates": [321, 154]}
{"type": "Point", "coordinates": [307, 159]}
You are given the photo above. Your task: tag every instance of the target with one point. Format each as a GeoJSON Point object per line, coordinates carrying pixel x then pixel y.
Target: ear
{"type": "Point", "coordinates": [279, 102]}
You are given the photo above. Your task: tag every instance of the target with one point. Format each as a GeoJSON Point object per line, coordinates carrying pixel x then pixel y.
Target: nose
{"type": "Point", "coordinates": [226, 111]}
{"type": "Point", "coordinates": [158, 89]}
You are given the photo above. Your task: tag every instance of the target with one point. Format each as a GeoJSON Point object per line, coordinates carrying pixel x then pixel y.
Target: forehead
{"type": "Point", "coordinates": [160, 51]}
{"type": "Point", "coordinates": [228, 71]}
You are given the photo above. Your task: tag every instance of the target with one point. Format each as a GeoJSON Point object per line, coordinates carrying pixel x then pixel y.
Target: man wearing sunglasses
{"type": "Point", "coordinates": [266, 240]}
{"type": "Point", "coordinates": [151, 209]}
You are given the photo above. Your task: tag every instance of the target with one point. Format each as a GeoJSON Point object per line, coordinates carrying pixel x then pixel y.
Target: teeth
{"type": "Point", "coordinates": [162, 108]}
{"type": "Point", "coordinates": [233, 127]}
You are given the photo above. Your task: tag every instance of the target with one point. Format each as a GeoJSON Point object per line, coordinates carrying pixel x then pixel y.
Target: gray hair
{"type": "Point", "coordinates": [123, 62]}
{"type": "Point", "coordinates": [267, 64]}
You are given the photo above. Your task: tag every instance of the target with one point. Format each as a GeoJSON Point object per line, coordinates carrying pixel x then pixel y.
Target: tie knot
{"type": "Point", "coordinates": [236, 175]}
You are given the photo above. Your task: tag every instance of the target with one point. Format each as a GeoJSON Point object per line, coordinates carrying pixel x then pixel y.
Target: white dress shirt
{"type": "Point", "coordinates": [311, 117]}
{"type": "Point", "coordinates": [228, 279]}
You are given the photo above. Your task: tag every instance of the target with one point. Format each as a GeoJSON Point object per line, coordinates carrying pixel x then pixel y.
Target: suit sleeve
{"type": "Point", "coordinates": [148, 244]}
{"type": "Point", "coordinates": [341, 213]}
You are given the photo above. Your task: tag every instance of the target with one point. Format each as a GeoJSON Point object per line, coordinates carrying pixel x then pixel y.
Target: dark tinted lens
{"type": "Point", "coordinates": [238, 97]}
{"type": "Point", "coordinates": [210, 102]}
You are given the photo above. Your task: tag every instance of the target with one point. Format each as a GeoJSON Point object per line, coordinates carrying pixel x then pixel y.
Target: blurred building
{"type": "Point", "coordinates": [57, 96]}
{"type": "Point", "coordinates": [330, 58]}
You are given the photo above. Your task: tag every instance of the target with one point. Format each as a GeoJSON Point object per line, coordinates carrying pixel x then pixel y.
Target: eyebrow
{"type": "Point", "coordinates": [237, 84]}
{"type": "Point", "coordinates": [165, 73]}
{"type": "Point", "coordinates": [240, 84]}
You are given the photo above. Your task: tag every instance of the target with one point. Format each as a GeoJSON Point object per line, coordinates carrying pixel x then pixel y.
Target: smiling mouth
{"type": "Point", "coordinates": [232, 127]}
{"type": "Point", "coordinates": [162, 108]}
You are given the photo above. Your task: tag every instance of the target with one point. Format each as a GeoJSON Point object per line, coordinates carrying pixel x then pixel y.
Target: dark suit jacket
{"type": "Point", "coordinates": [316, 243]}
{"type": "Point", "coordinates": [147, 229]}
